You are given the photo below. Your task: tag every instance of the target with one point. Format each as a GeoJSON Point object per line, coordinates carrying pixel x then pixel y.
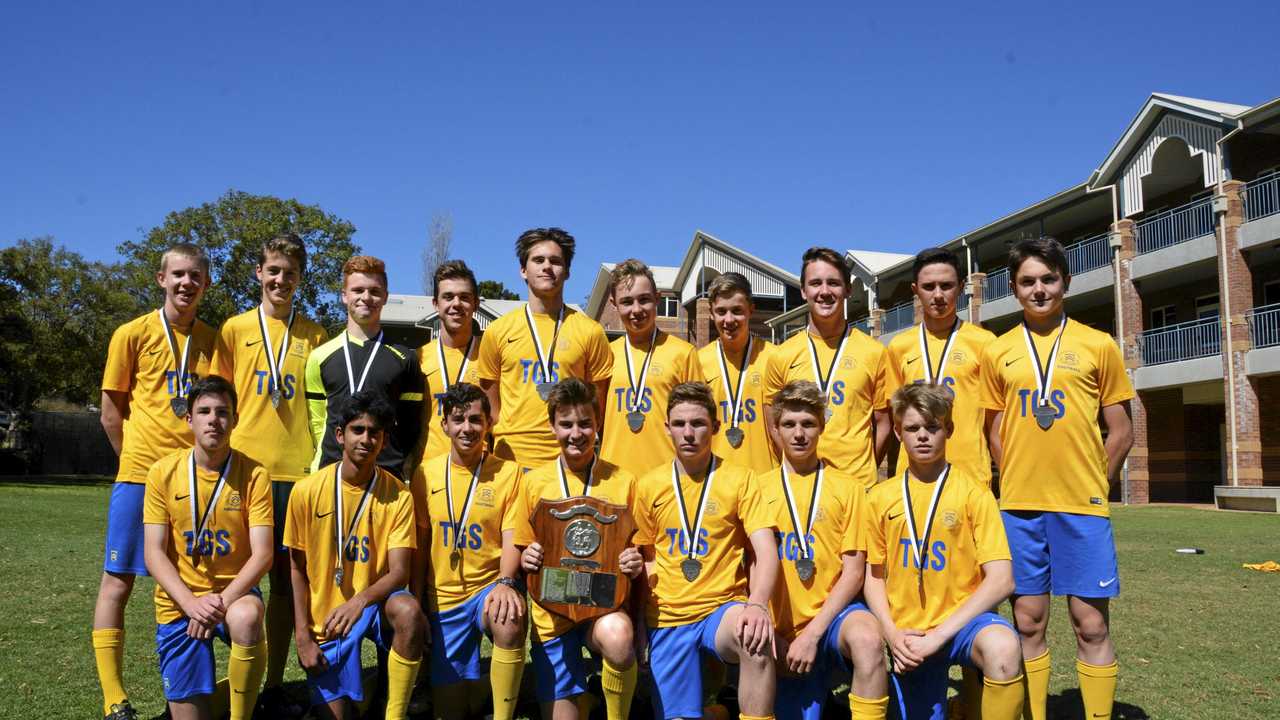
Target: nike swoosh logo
{"type": "Point", "coordinates": [772, 501]}
{"type": "Point", "coordinates": [437, 490]}
{"type": "Point", "coordinates": [912, 360]}
{"type": "Point", "coordinates": [1007, 363]}
{"type": "Point", "coordinates": [1105, 583]}
{"type": "Point", "coordinates": [321, 517]}
{"type": "Point", "coordinates": [796, 365]}
{"type": "Point", "coordinates": [153, 352]}
{"type": "Point", "coordinates": [251, 343]}
{"type": "Point", "coordinates": [181, 497]}
{"type": "Point", "coordinates": [511, 340]}
{"type": "Point", "coordinates": [658, 503]}
{"type": "Point", "coordinates": [895, 517]}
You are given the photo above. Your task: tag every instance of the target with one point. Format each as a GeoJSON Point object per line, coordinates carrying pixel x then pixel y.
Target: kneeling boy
{"type": "Point", "coordinates": [557, 641]}
{"type": "Point", "coordinates": [939, 563]}
{"type": "Point", "coordinates": [822, 628]}
{"type": "Point", "coordinates": [467, 516]}
{"type": "Point", "coordinates": [696, 521]}
{"type": "Point", "coordinates": [207, 526]}
{"type": "Point", "coordinates": [350, 537]}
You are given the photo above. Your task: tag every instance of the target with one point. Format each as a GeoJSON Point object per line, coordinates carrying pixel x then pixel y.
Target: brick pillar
{"type": "Point", "coordinates": [1129, 316]}
{"type": "Point", "coordinates": [703, 331]}
{"type": "Point", "coordinates": [977, 290]}
{"type": "Point", "coordinates": [1235, 283]}
{"type": "Point", "coordinates": [876, 322]}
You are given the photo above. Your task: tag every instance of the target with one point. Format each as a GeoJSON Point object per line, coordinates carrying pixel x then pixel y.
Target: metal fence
{"type": "Point", "coordinates": [1264, 325]}
{"type": "Point", "coordinates": [899, 317]}
{"type": "Point", "coordinates": [1184, 341]}
{"type": "Point", "coordinates": [1089, 254]}
{"type": "Point", "coordinates": [997, 285]}
{"type": "Point", "coordinates": [864, 325]}
{"type": "Point", "coordinates": [1175, 226]}
{"type": "Point", "coordinates": [1262, 197]}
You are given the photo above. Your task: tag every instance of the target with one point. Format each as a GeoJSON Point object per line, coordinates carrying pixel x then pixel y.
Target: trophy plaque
{"type": "Point", "coordinates": [581, 538]}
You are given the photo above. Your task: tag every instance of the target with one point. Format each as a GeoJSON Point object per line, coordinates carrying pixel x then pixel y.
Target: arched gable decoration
{"type": "Point", "coordinates": [1201, 139]}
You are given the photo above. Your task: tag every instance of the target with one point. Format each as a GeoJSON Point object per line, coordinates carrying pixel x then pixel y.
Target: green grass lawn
{"type": "Point", "coordinates": [1198, 636]}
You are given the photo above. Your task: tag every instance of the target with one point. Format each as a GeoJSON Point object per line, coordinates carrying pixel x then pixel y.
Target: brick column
{"type": "Point", "coordinates": [978, 289]}
{"type": "Point", "coordinates": [876, 322]}
{"type": "Point", "coordinates": [1129, 316]}
{"type": "Point", "coordinates": [702, 329]}
{"type": "Point", "coordinates": [1235, 283]}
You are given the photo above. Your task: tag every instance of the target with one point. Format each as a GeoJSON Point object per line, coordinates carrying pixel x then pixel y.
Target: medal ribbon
{"type": "Point", "coordinates": [1044, 376]}
{"type": "Point", "coordinates": [545, 359]}
{"type": "Point", "coordinates": [200, 521]}
{"type": "Point", "coordinates": [692, 532]}
{"type": "Point", "coordinates": [930, 376]}
{"type": "Point", "coordinates": [918, 543]}
{"type": "Point", "coordinates": [735, 396]}
{"type": "Point", "coordinates": [805, 549]}
{"type": "Point", "coordinates": [275, 363]}
{"type": "Point", "coordinates": [824, 384]}
{"type": "Point", "coordinates": [339, 515]}
{"type": "Point", "coordinates": [466, 501]}
{"type": "Point", "coordinates": [637, 389]}
{"type": "Point", "coordinates": [564, 480]}
{"type": "Point", "coordinates": [179, 358]}
{"type": "Point", "coordinates": [352, 385]}
{"type": "Point", "coordinates": [462, 368]}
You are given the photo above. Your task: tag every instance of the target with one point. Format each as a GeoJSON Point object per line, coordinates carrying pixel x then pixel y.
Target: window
{"type": "Point", "coordinates": [1271, 292]}
{"type": "Point", "coordinates": [1207, 306]}
{"type": "Point", "coordinates": [669, 306]}
{"type": "Point", "coordinates": [1164, 316]}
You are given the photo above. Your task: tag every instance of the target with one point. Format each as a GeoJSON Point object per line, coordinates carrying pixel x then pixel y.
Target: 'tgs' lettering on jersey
{"type": "Point", "coordinates": [265, 385]}
{"type": "Point", "coordinates": [1057, 398]}
{"type": "Point", "coordinates": [531, 371]}
{"type": "Point", "coordinates": [678, 542]}
{"type": "Point", "coordinates": [789, 545]}
{"type": "Point", "coordinates": [935, 559]}
{"type": "Point", "coordinates": [472, 538]}
{"type": "Point", "coordinates": [210, 544]}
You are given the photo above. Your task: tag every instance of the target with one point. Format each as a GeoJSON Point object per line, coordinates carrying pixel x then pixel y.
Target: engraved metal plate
{"type": "Point", "coordinates": [581, 538]}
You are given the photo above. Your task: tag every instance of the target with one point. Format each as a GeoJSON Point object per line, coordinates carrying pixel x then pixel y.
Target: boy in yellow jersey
{"type": "Point", "coordinates": [525, 352]}
{"type": "Point", "coordinates": [467, 508]}
{"type": "Point", "coordinates": [698, 520]}
{"type": "Point", "coordinates": [734, 367]}
{"type": "Point", "coordinates": [451, 355]}
{"type": "Point", "coordinates": [1045, 383]}
{"type": "Point", "coordinates": [939, 565]}
{"type": "Point", "coordinates": [822, 628]}
{"type": "Point", "coordinates": [647, 363]}
{"type": "Point", "coordinates": [350, 533]}
{"type": "Point", "coordinates": [264, 353]}
{"type": "Point", "coordinates": [208, 543]}
{"type": "Point", "coordinates": [557, 642]}
{"type": "Point", "coordinates": [847, 365]}
{"type": "Point", "coordinates": [151, 363]}
{"type": "Point", "coordinates": [945, 350]}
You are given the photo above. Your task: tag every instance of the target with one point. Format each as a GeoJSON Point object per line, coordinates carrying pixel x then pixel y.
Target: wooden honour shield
{"type": "Point", "coordinates": [581, 538]}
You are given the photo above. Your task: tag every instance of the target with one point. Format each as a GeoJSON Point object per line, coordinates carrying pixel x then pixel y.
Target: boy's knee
{"type": "Point", "coordinates": [615, 636]}
{"type": "Point", "coordinates": [1001, 653]}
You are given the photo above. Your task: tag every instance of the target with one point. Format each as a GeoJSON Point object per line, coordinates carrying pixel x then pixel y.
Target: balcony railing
{"type": "Point", "coordinates": [899, 317]}
{"type": "Point", "coordinates": [1264, 325]}
{"type": "Point", "coordinates": [997, 285]}
{"type": "Point", "coordinates": [864, 325]}
{"type": "Point", "coordinates": [1175, 226]}
{"type": "Point", "coordinates": [962, 302]}
{"type": "Point", "coordinates": [1184, 341]}
{"type": "Point", "coordinates": [1089, 254]}
{"type": "Point", "coordinates": [1262, 197]}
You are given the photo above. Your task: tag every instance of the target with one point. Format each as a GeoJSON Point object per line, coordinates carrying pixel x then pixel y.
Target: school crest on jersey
{"type": "Point", "coordinates": [950, 519]}
{"type": "Point", "coordinates": [958, 358]}
{"type": "Point", "coordinates": [712, 507]}
{"type": "Point", "coordinates": [485, 497]}
{"type": "Point", "coordinates": [847, 363]}
{"type": "Point", "coordinates": [656, 369]}
{"type": "Point", "coordinates": [754, 378]}
{"type": "Point", "coordinates": [233, 502]}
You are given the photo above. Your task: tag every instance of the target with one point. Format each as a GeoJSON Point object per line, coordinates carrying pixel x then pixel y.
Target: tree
{"type": "Point", "coordinates": [231, 230]}
{"type": "Point", "coordinates": [439, 238]}
{"type": "Point", "coordinates": [57, 313]}
{"type": "Point", "coordinates": [494, 290]}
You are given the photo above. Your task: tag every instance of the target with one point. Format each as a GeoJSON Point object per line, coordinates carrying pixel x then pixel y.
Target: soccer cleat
{"type": "Point", "coordinates": [122, 711]}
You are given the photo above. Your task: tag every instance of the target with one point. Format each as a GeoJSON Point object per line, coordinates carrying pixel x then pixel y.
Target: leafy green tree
{"type": "Point", "coordinates": [57, 313]}
{"type": "Point", "coordinates": [232, 229]}
{"type": "Point", "coordinates": [495, 290]}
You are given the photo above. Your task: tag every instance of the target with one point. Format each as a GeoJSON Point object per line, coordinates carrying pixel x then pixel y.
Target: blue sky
{"type": "Point", "coordinates": [774, 126]}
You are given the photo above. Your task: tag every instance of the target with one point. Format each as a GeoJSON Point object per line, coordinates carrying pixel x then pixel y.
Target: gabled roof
{"type": "Point", "coordinates": [867, 264]}
{"type": "Point", "coordinates": [1211, 111]}
{"type": "Point", "coordinates": [664, 276]}
{"type": "Point", "coordinates": [701, 238]}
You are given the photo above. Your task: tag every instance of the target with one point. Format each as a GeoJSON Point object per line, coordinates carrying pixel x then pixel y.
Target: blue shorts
{"type": "Point", "coordinates": [123, 554]}
{"type": "Point", "coordinates": [675, 663]}
{"type": "Point", "coordinates": [187, 665]}
{"type": "Point", "coordinates": [558, 665]}
{"type": "Point", "coordinates": [1062, 553]}
{"type": "Point", "coordinates": [804, 697]}
{"type": "Point", "coordinates": [455, 640]}
{"type": "Point", "coordinates": [280, 492]}
{"type": "Point", "coordinates": [922, 693]}
{"type": "Point", "coordinates": [343, 679]}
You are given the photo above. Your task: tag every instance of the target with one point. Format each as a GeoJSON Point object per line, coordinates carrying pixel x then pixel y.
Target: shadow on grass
{"type": "Point", "coordinates": [41, 481]}
{"type": "Point", "coordinates": [1068, 705]}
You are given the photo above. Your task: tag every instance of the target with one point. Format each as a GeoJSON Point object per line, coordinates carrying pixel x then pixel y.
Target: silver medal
{"type": "Point", "coordinates": [635, 421]}
{"type": "Point", "coordinates": [828, 414]}
{"type": "Point", "coordinates": [546, 359]}
{"type": "Point", "coordinates": [805, 569]}
{"type": "Point", "coordinates": [544, 390]}
{"type": "Point", "coordinates": [276, 397]}
{"type": "Point", "coordinates": [735, 436]}
{"type": "Point", "coordinates": [691, 568]}
{"type": "Point", "coordinates": [1045, 415]}
{"type": "Point", "coordinates": [179, 406]}
{"type": "Point", "coordinates": [337, 577]}
{"type": "Point", "coordinates": [455, 559]}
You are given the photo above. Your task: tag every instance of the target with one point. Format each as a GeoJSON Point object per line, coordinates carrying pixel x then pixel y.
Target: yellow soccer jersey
{"type": "Point", "coordinates": [494, 509]}
{"type": "Point", "coordinates": [608, 482]}
{"type": "Point", "coordinates": [857, 388]}
{"type": "Point", "coordinates": [141, 365]}
{"type": "Point", "coordinates": [674, 361]}
{"type": "Point", "coordinates": [734, 510]}
{"type": "Point", "coordinates": [756, 451]}
{"type": "Point", "coordinates": [433, 441]}
{"type": "Point", "coordinates": [1064, 468]}
{"type": "Point", "coordinates": [835, 532]}
{"type": "Point", "coordinates": [223, 547]}
{"type": "Point", "coordinates": [967, 532]}
{"type": "Point", "coordinates": [386, 524]}
{"type": "Point", "coordinates": [967, 448]}
{"type": "Point", "coordinates": [278, 437]}
{"type": "Point", "coordinates": [507, 356]}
